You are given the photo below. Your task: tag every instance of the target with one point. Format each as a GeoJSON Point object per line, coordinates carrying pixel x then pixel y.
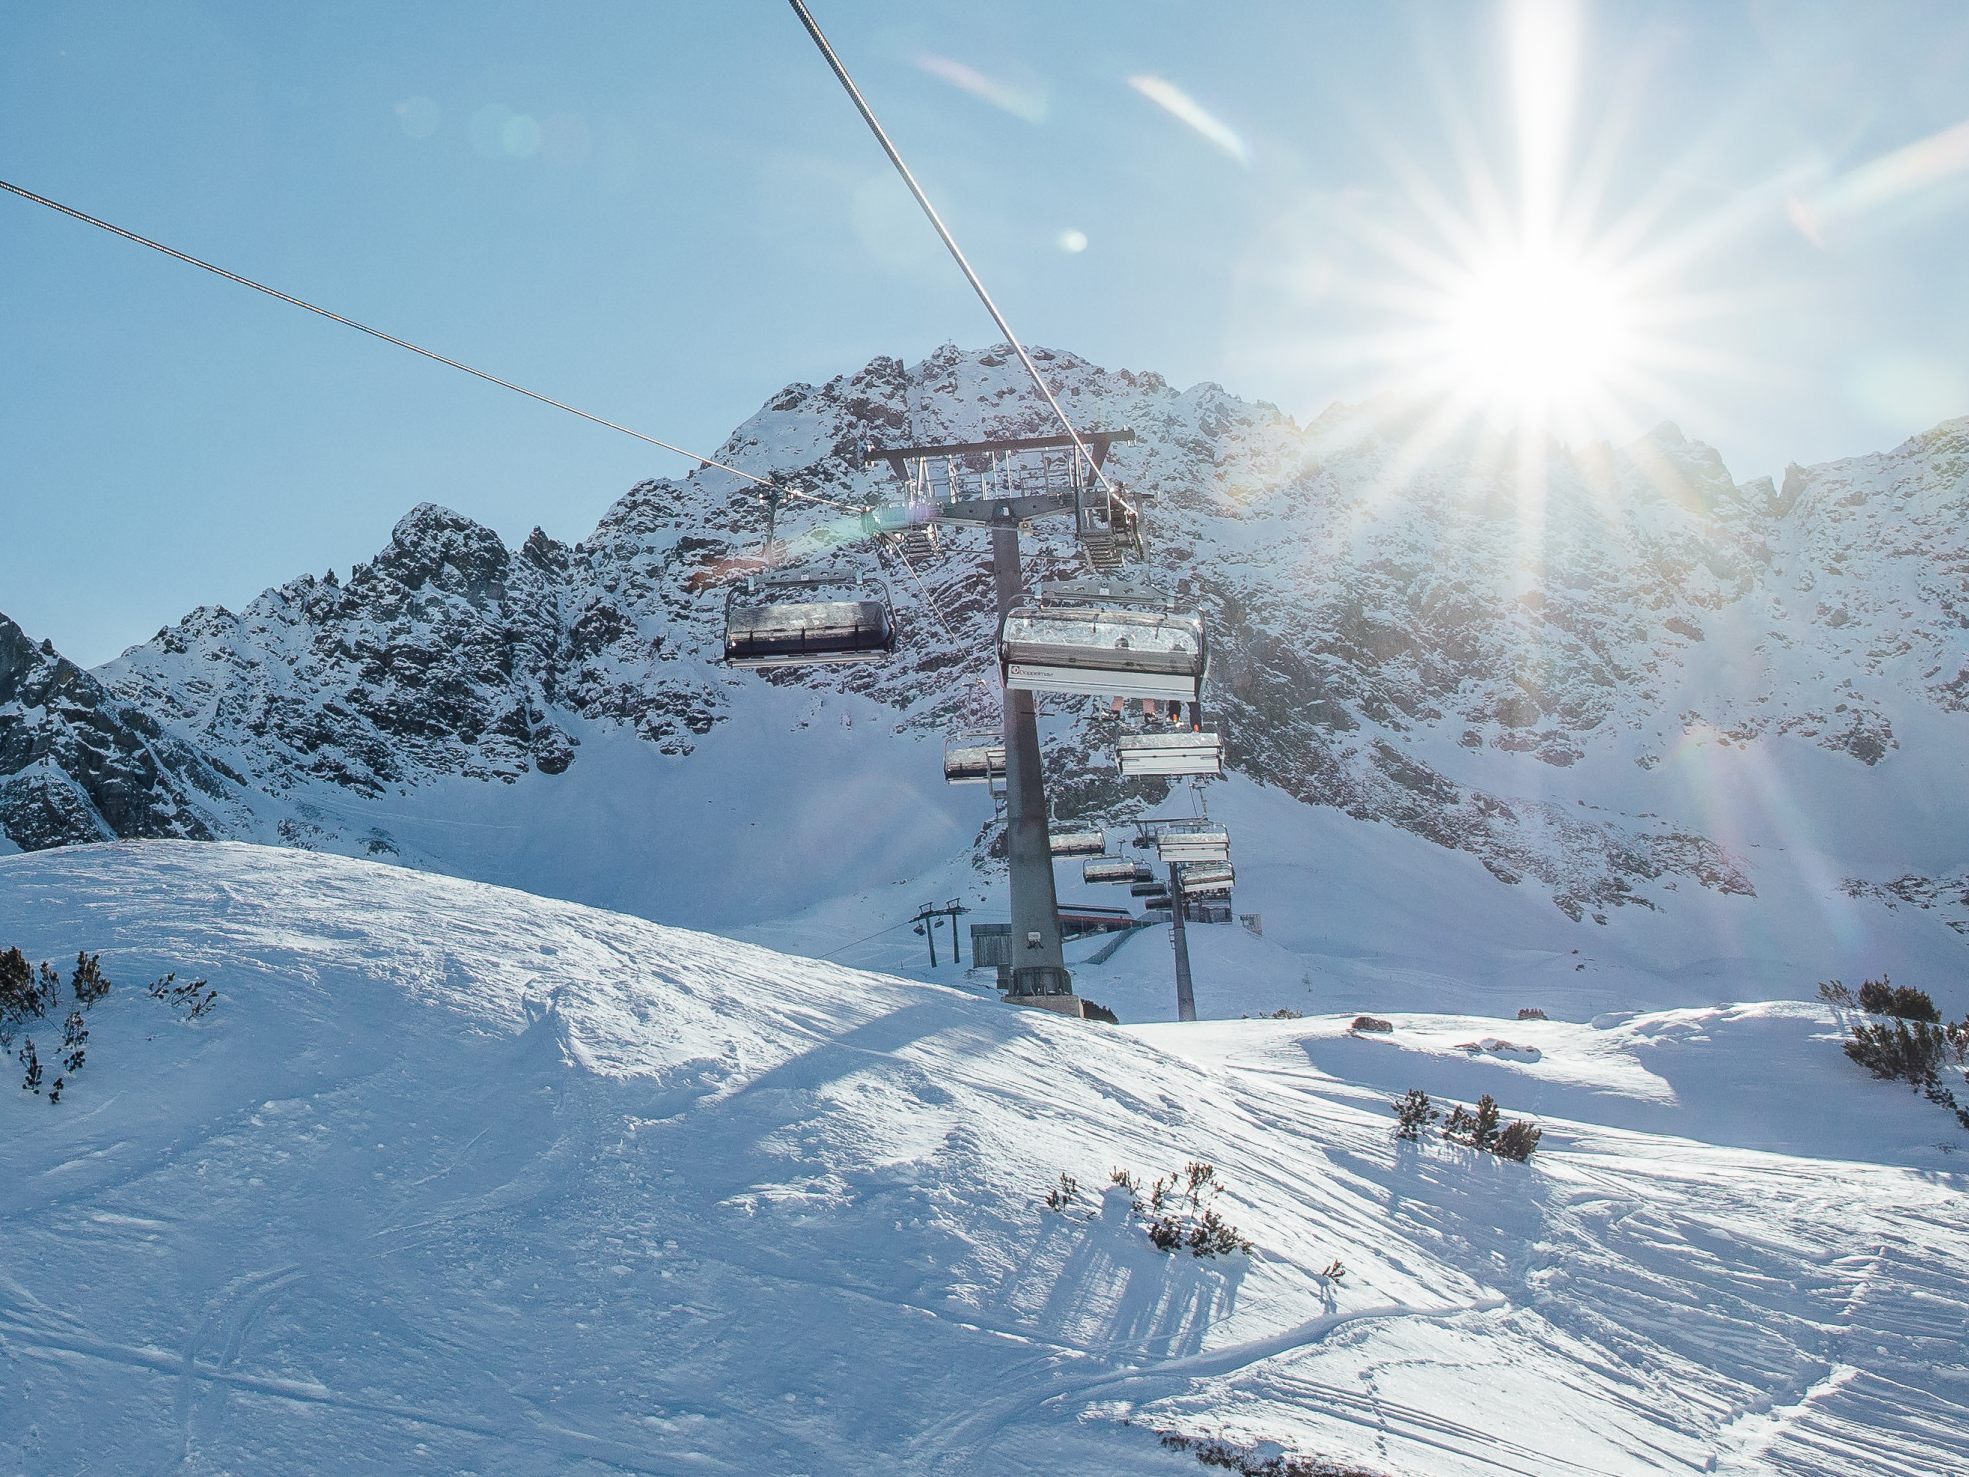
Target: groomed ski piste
{"type": "Point", "coordinates": [457, 1178]}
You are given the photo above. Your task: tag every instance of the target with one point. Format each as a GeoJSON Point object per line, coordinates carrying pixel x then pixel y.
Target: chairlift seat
{"type": "Point", "coordinates": [1178, 752]}
{"type": "Point", "coordinates": [1105, 651]}
{"type": "Point", "coordinates": [1079, 843]}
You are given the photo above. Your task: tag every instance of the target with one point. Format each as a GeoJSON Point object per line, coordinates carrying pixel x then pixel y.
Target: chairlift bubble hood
{"type": "Point", "coordinates": [1178, 752]}
{"type": "Point", "coordinates": [1204, 879]}
{"type": "Point", "coordinates": [974, 759]}
{"type": "Point", "coordinates": [788, 620]}
{"type": "Point", "coordinates": [1079, 843]}
{"type": "Point", "coordinates": [1192, 841]}
{"type": "Point", "coordinates": [1107, 649]}
{"type": "Point", "coordinates": [1114, 869]}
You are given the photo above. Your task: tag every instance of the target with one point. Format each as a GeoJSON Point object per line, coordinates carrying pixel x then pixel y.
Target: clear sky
{"type": "Point", "coordinates": [1749, 218]}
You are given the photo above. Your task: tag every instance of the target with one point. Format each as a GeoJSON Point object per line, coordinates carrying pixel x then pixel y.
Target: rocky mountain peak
{"type": "Point", "coordinates": [77, 765]}
{"type": "Point", "coordinates": [1403, 630]}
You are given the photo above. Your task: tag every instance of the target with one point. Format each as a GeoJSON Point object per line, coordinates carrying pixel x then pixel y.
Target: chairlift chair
{"type": "Point", "coordinates": [1206, 879]}
{"type": "Point", "coordinates": [1079, 843]}
{"type": "Point", "coordinates": [1193, 841]}
{"type": "Point", "coordinates": [974, 759]}
{"type": "Point", "coordinates": [1105, 641]}
{"type": "Point", "coordinates": [1176, 752]}
{"type": "Point", "coordinates": [1114, 869]}
{"type": "Point", "coordinates": [782, 621]}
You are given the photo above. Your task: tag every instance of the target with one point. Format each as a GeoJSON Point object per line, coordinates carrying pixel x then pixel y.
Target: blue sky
{"type": "Point", "coordinates": [665, 212]}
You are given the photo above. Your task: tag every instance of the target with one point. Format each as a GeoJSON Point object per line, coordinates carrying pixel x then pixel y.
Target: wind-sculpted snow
{"type": "Point", "coordinates": [1586, 668]}
{"type": "Point", "coordinates": [455, 1178]}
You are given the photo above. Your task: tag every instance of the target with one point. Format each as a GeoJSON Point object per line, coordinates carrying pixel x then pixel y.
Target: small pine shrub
{"type": "Point", "coordinates": [1879, 997]}
{"type": "Point", "coordinates": [1517, 1140]}
{"type": "Point", "coordinates": [1906, 1051]}
{"type": "Point", "coordinates": [1370, 1023]}
{"type": "Point", "coordinates": [1211, 1451]}
{"type": "Point", "coordinates": [31, 1061]}
{"type": "Point", "coordinates": [1179, 1212]}
{"type": "Point", "coordinates": [1836, 994]}
{"type": "Point", "coordinates": [16, 986]}
{"type": "Point", "coordinates": [75, 1037]}
{"type": "Point", "coordinates": [1531, 1013]}
{"type": "Point", "coordinates": [1093, 1011]}
{"type": "Point", "coordinates": [1062, 1194]}
{"type": "Point", "coordinates": [1479, 1129]}
{"type": "Point", "coordinates": [1482, 1128]}
{"type": "Point", "coordinates": [88, 983]}
{"type": "Point", "coordinates": [1413, 1114]}
{"type": "Point", "coordinates": [1914, 1052]}
{"type": "Point", "coordinates": [191, 999]}
{"type": "Point", "coordinates": [34, 992]}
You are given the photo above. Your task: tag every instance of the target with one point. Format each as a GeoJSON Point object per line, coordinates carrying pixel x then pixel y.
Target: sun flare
{"type": "Point", "coordinates": [1535, 335]}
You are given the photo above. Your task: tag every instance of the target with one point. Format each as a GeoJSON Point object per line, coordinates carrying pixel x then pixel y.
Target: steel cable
{"type": "Point", "coordinates": [390, 338]}
{"type": "Point", "coordinates": [957, 254]}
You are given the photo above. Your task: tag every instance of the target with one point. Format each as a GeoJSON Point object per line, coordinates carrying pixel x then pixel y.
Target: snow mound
{"type": "Point", "coordinates": [457, 1178]}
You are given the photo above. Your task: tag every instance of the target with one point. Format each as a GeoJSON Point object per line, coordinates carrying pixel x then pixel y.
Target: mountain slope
{"type": "Point", "coordinates": [457, 1178]}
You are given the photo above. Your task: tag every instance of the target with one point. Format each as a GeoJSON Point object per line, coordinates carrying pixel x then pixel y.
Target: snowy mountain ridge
{"type": "Point", "coordinates": [1564, 670]}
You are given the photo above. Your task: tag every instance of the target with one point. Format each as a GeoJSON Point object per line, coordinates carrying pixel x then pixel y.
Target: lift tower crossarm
{"type": "Point", "coordinates": [1096, 442]}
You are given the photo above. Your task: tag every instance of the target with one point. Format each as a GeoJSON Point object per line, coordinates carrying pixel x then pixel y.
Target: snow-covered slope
{"type": "Point", "coordinates": [454, 1178]}
{"type": "Point", "coordinates": [1617, 680]}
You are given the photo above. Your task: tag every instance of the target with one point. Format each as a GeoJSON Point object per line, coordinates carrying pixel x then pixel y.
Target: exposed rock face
{"type": "Point", "coordinates": [76, 764]}
{"type": "Point", "coordinates": [1432, 633]}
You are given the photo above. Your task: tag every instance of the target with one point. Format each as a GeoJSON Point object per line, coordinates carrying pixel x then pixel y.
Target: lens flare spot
{"type": "Point", "coordinates": [418, 116]}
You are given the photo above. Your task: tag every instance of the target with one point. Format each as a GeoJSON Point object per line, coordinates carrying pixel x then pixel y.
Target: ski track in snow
{"type": "Point", "coordinates": [456, 1178]}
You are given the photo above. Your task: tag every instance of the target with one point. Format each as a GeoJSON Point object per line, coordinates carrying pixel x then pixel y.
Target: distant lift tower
{"type": "Point", "coordinates": [1003, 486]}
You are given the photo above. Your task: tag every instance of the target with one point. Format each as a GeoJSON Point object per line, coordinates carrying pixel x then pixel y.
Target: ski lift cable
{"type": "Point", "coordinates": [924, 590]}
{"type": "Point", "coordinates": [390, 338]}
{"type": "Point", "coordinates": [957, 254]}
{"type": "Point", "coordinates": [865, 938]}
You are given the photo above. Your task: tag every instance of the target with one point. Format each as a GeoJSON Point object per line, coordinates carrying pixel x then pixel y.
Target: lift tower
{"type": "Point", "coordinates": [1003, 486]}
